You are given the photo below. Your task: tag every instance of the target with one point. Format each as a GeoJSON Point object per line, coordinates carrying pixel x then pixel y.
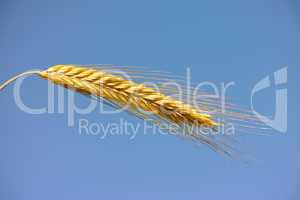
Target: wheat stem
{"type": "Point", "coordinates": [28, 73]}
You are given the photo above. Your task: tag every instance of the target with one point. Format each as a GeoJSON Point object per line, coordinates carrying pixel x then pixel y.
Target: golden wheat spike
{"type": "Point", "coordinates": [121, 91]}
{"type": "Point", "coordinates": [138, 98]}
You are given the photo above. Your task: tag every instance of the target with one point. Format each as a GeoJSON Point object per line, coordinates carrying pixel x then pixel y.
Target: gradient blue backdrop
{"type": "Point", "coordinates": [241, 41]}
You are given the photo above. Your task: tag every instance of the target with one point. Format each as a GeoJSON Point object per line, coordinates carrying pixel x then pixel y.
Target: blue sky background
{"type": "Point", "coordinates": [221, 41]}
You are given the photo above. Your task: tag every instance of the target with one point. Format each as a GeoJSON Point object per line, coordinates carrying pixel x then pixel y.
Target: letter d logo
{"type": "Point", "coordinates": [279, 122]}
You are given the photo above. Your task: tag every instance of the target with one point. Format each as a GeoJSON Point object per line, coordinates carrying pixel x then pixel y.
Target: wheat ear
{"type": "Point", "coordinates": [121, 91]}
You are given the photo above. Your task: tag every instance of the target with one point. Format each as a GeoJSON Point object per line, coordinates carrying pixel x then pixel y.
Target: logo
{"type": "Point", "coordinates": [279, 121]}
